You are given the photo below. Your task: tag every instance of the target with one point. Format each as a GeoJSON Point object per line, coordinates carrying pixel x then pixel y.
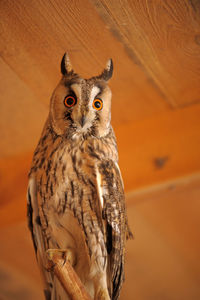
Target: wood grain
{"type": "Point", "coordinates": [164, 36]}
{"type": "Point", "coordinates": [161, 148]}
{"type": "Point", "coordinates": [155, 48]}
{"type": "Point", "coordinates": [163, 259]}
{"type": "Point", "coordinates": [34, 36]}
{"type": "Point", "coordinates": [21, 115]}
{"type": "Point", "coordinates": [20, 276]}
{"type": "Point", "coordinates": [67, 276]}
{"type": "Point", "coordinates": [13, 187]}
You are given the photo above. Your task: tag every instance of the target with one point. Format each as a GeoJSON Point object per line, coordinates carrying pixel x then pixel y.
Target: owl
{"type": "Point", "coordinates": [75, 193]}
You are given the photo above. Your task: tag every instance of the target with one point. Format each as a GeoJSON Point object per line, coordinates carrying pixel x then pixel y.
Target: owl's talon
{"type": "Point", "coordinates": [66, 254]}
{"type": "Point", "coordinates": [102, 295]}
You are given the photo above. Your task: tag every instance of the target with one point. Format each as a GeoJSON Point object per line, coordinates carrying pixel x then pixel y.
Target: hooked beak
{"type": "Point", "coordinates": [82, 120]}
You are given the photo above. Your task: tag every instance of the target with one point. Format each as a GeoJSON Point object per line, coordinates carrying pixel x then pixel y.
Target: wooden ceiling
{"type": "Point", "coordinates": [155, 46]}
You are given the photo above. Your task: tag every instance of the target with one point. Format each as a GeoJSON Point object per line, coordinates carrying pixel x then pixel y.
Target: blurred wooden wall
{"type": "Point", "coordinates": [155, 46]}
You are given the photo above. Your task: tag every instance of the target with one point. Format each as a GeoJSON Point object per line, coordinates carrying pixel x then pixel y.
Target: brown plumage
{"type": "Point", "coordinates": [75, 194]}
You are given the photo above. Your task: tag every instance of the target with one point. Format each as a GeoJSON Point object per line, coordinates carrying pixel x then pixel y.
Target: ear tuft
{"type": "Point", "coordinates": [108, 71]}
{"type": "Point", "coordinates": [66, 66]}
{"type": "Point", "coordinates": [109, 66]}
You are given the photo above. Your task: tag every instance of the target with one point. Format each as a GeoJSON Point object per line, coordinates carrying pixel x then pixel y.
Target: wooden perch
{"type": "Point", "coordinates": [68, 277]}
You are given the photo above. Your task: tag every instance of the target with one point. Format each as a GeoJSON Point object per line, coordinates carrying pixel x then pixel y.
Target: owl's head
{"type": "Point", "coordinates": [81, 106]}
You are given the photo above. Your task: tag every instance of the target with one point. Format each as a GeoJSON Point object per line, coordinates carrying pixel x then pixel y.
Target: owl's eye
{"type": "Point", "coordinates": [97, 104]}
{"type": "Point", "coordinates": [69, 101]}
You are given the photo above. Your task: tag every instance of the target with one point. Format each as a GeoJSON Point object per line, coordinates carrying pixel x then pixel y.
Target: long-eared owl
{"type": "Point", "coordinates": [75, 193]}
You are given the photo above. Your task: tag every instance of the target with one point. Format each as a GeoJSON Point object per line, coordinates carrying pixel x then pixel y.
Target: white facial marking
{"type": "Point", "coordinates": [94, 91]}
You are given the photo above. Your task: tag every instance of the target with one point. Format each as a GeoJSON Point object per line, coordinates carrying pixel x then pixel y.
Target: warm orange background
{"type": "Point", "coordinates": [155, 46]}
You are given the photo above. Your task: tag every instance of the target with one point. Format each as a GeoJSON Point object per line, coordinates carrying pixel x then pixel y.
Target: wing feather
{"type": "Point", "coordinates": [34, 225]}
{"type": "Point", "coordinates": [111, 194]}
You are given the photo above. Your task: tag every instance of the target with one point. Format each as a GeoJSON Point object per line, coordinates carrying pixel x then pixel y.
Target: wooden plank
{"type": "Point", "coordinates": [13, 187]}
{"type": "Point", "coordinates": [161, 148]}
{"type": "Point", "coordinates": [15, 285]}
{"type": "Point", "coordinates": [20, 276]}
{"type": "Point", "coordinates": [21, 115]}
{"type": "Point", "coordinates": [164, 256]}
{"type": "Point", "coordinates": [188, 181]}
{"type": "Point", "coordinates": [34, 36]}
{"type": "Point", "coordinates": [164, 37]}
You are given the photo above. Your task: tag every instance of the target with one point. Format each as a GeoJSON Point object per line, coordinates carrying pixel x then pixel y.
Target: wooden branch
{"type": "Point", "coordinates": [68, 277]}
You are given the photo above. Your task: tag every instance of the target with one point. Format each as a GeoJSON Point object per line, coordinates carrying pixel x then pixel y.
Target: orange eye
{"type": "Point", "coordinates": [97, 104]}
{"type": "Point", "coordinates": [69, 101]}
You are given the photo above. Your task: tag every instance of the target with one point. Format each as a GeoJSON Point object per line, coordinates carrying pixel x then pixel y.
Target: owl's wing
{"type": "Point", "coordinates": [111, 197]}
{"type": "Point", "coordinates": [34, 225]}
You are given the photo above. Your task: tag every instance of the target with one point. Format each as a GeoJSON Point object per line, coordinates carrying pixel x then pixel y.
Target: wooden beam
{"type": "Point", "coordinates": [161, 148]}
{"type": "Point", "coordinates": [163, 36]}
{"type": "Point", "coordinates": [164, 256]}
{"type": "Point", "coordinates": [21, 115]}
{"type": "Point", "coordinates": [35, 35]}
{"type": "Point", "coordinates": [13, 188]}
